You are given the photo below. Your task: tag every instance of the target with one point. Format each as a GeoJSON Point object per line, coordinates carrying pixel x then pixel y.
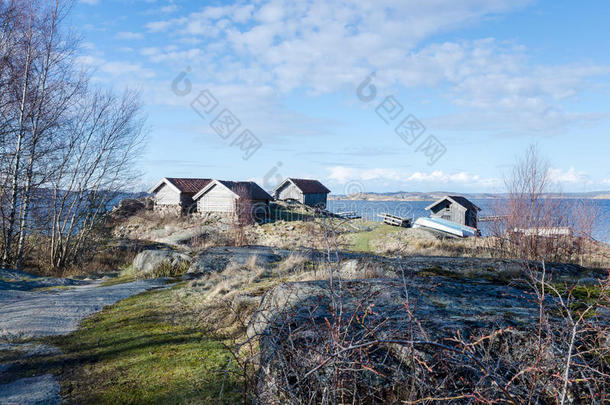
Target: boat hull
{"type": "Point", "coordinates": [445, 226]}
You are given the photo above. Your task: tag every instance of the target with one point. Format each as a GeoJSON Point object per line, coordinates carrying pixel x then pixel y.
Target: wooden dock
{"type": "Point", "coordinates": [395, 221]}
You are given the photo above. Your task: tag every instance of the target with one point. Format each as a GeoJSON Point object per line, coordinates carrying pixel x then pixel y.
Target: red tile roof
{"type": "Point", "coordinates": [187, 185]}
{"type": "Point", "coordinates": [310, 186]}
{"type": "Point", "coordinates": [463, 201]}
{"type": "Point", "coordinates": [247, 189]}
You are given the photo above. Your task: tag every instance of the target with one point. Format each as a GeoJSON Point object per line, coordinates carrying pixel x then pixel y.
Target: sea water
{"type": "Point", "coordinates": [369, 210]}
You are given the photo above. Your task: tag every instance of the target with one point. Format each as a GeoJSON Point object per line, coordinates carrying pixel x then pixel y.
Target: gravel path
{"type": "Point", "coordinates": [31, 314]}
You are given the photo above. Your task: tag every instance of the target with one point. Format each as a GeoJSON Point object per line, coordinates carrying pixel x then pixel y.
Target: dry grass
{"type": "Point", "coordinates": [227, 299]}
{"type": "Point", "coordinates": [296, 234]}
{"type": "Point", "coordinates": [227, 283]}
{"type": "Point", "coordinates": [295, 263]}
{"type": "Point", "coordinates": [347, 270]}
{"type": "Point", "coordinates": [409, 242]}
{"type": "Point", "coordinates": [104, 255]}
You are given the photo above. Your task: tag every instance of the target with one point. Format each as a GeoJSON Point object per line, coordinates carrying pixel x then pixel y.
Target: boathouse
{"type": "Point", "coordinates": [232, 197]}
{"type": "Point", "coordinates": [456, 209]}
{"type": "Point", "coordinates": [305, 191]}
{"type": "Point", "coordinates": [176, 195]}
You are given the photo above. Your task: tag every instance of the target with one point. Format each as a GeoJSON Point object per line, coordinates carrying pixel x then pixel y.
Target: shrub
{"type": "Point", "coordinates": [166, 269]}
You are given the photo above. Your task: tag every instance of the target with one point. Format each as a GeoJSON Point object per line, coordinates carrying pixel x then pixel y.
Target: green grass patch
{"type": "Point", "coordinates": [165, 269]}
{"type": "Point", "coordinates": [122, 278]}
{"type": "Point", "coordinates": [586, 293]}
{"type": "Point", "coordinates": [361, 240]}
{"type": "Point", "coordinates": [141, 351]}
{"type": "Point", "coordinates": [581, 297]}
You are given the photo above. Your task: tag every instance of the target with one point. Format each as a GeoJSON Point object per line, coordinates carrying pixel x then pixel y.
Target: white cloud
{"type": "Point", "coordinates": [119, 68]}
{"type": "Point", "coordinates": [343, 174]}
{"type": "Point", "coordinates": [571, 176]}
{"type": "Point", "coordinates": [169, 9]}
{"type": "Point", "coordinates": [322, 34]}
{"type": "Point", "coordinates": [326, 46]}
{"type": "Point", "coordinates": [158, 26]}
{"type": "Point", "coordinates": [87, 60]}
{"type": "Point", "coordinates": [129, 35]}
{"type": "Point", "coordinates": [130, 74]}
{"type": "Point", "coordinates": [439, 176]}
{"type": "Point", "coordinates": [88, 46]}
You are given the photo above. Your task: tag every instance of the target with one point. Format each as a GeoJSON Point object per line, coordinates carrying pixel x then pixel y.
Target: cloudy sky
{"type": "Point", "coordinates": [374, 95]}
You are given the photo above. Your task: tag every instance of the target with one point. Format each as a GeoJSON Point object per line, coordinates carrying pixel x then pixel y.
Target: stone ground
{"type": "Point", "coordinates": [26, 313]}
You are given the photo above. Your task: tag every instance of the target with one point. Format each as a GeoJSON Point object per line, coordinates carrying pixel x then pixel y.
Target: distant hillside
{"type": "Point", "coordinates": [434, 195]}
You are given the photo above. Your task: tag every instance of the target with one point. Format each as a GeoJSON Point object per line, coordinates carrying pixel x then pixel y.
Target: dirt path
{"type": "Point", "coordinates": [32, 314]}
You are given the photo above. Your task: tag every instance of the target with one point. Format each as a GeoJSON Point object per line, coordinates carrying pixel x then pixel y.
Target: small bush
{"type": "Point", "coordinates": [166, 269]}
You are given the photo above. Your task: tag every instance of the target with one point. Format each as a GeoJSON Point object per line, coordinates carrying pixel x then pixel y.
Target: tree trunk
{"type": "Point", "coordinates": [17, 158]}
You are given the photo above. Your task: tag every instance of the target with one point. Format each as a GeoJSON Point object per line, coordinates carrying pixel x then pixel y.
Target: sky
{"type": "Point", "coordinates": [366, 96]}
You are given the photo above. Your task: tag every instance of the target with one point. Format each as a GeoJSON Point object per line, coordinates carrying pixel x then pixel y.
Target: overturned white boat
{"type": "Point", "coordinates": [442, 225]}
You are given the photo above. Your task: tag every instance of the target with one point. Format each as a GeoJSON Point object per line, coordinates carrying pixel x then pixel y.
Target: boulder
{"type": "Point", "coordinates": [294, 322]}
{"type": "Point", "coordinates": [130, 206]}
{"type": "Point", "coordinates": [219, 258]}
{"type": "Point", "coordinates": [442, 305]}
{"type": "Point", "coordinates": [148, 261]}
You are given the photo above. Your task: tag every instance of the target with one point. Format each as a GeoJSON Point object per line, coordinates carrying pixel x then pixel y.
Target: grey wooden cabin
{"type": "Point", "coordinates": [456, 209]}
{"type": "Point", "coordinates": [229, 197]}
{"type": "Point", "coordinates": [306, 191]}
{"type": "Point", "coordinates": [176, 195]}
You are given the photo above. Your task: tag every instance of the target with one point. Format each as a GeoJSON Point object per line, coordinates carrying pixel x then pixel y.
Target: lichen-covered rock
{"type": "Point", "coordinates": [219, 258]}
{"type": "Point", "coordinates": [442, 305]}
{"type": "Point", "coordinates": [295, 322]}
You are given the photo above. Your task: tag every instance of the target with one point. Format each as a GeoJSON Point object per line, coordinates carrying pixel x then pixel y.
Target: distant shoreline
{"type": "Point", "coordinates": [434, 197]}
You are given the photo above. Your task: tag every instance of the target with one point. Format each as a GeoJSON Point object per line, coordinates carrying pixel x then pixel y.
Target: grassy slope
{"type": "Point", "coordinates": [139, 351]}
{"type": "Point", "coordinates": [361, 240]}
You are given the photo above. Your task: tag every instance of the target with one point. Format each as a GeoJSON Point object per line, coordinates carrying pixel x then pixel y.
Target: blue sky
{"type": "Point", "coordinates": [482, 78]}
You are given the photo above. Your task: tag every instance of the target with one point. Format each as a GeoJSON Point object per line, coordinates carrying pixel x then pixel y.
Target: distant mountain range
{"type": "Point", "coordinates": [435, 195]}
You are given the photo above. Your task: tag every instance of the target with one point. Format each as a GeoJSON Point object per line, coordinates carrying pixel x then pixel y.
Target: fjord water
{"type": "Point", "coordinates": [414, 209]}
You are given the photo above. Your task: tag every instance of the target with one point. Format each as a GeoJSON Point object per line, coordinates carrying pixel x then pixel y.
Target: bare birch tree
{"type": "Point", "coordinates": [68, 147]}
{"type": "Point", "coordinates": [20, 62]}
{"type": "Point", "coordinates": [529, 216]}
{"type": "Point", "coordinates": [96, 164]}
{"type": "Point", "coordinates": [56, 87]}
{"type": "Point", "coordinates": [8, 22]}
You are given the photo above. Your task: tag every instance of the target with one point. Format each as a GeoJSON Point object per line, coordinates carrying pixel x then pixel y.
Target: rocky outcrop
{"type": "Point", "coordinates": [147, 261]}
{"type": "Point", "coordinates": [495, 270]}
{"type": "Point", "coordinates": [299, 323]}
{"type": "Point", "coordinates": [488, 269]}
{"type": "Point", "coordinates": [219, 258]}
{"type": "Point", "coordinates": [131, 206]}
{"type": "Point", "coordinates": [441, 306]}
